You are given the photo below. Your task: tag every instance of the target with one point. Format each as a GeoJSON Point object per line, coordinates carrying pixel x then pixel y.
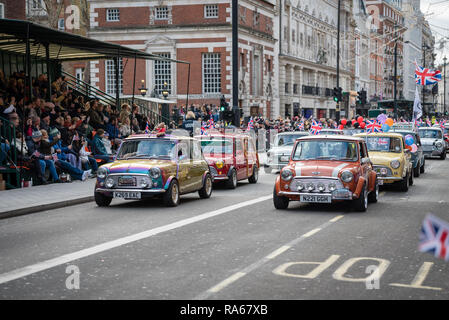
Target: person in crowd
{"type": "Point", "coordinates": [188, 123]}
{"type": "Point", "coordinates": [98, 148]}
{"type": "Point", "coordinates": [43, 161]}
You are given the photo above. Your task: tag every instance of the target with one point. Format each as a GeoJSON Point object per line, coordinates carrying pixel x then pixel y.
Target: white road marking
{"type": "Point", "coordinates": [277, 252]}
{"type": "Point", "coordinates": [227, 281]}
{"type": "Point", "coordinates": [233, 278]}
{"type": "Point", "coordinates": [419, 279]}
{"type": "Point", "coordinates": [336, 218]}
{"type": "Point", "coordinates": [311, 233]}
{"type": "Point", "coordinates": [31, 269]}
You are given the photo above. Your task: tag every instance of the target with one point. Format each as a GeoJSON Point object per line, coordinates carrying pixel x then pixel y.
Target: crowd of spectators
{"type": "Point", "coordinates": [64, 132]}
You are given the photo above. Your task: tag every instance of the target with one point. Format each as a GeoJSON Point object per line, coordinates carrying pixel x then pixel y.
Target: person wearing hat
{"type": "Point", "coordinates": [42, 161]}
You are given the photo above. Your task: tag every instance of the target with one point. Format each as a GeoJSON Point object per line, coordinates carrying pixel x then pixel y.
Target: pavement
{"type": "Point", "coordinates": [235, 245]}
{"type": "Point", "coordinates": [52, 196]}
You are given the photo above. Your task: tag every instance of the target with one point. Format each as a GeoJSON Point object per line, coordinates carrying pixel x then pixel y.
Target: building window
{"type": "Point", "coordinates": [36, 4]}
{"type": "Point", "coordinates": [211, 11]}
{"type": "Point", "coordinates": [110, 77]}
{"type": "Point", "coordinates": [61, 26]}
{"type": "Point", "coordinates": [162, 74]}
{"type": "Point", "coordinates": [295, 88]}
{"type": "Point", "coordinates": [286, 87]}
{"type": "Point", "coordinates": [113, 14]}
{"type": "Point", "coordinates": [2, 11]}
{"type": "Point", "coordinates": [211, 73]}
{"type": "Point", "coordinates": [256, 75]}
{"type": "Point", "coordinates": [161, 13]}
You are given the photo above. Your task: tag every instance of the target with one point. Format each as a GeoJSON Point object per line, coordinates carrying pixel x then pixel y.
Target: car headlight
{"type": "Point", "coordinates": [109, 183]}
{"type": "Point", "coordinates": [383, 171]}
{"type": "Point", "coordinates": [219, 164]}
{"type": "Point", "coordinates": [145, 182]}
{"type": "Point", "coordinates": [347, 176]}
{"type": "Point", "coordinates": [286, 175]}
{"type": "Point", "coordinates": [155, 173]}
{"type": "Point", "coordinates": [321, 187]}
{"type": "Point", "coordinates": [332, 186]}
{"type": "Point", "coordinates": [395, 164]}
{"type": "Point", "coordinates": [102, 173]}
{"type": "Point", "coordinates": [301, 186]}
{"type": "Point", "coordinates": [439, 145]}
{"type": "Point", "coordinates": [310, 187]}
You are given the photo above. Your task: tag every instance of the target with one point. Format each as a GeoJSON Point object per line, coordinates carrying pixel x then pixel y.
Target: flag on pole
{"type": "Point", "coordinates": [425, 76]}
{"type": "Point", "coordinates": [315, 128]}
{"type": "Point", "coordinates": [373, 127]}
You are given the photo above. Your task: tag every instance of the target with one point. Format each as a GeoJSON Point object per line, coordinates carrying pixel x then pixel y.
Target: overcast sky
{"type": "Point", "coordinates": [437, 14]}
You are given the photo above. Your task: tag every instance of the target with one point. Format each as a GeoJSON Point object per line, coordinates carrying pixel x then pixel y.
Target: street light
{"type": "Point", "coordinates": [143, 90]}
{"type": "Point", "coordinates": [444, 84]}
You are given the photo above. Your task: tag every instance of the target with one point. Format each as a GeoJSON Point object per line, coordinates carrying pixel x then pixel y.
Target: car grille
{"type": "Point", "coordinates": [378, 169]}
{"type": "Point", "coordinates": [127, 181]}
{"type": "Point", "coordinates": [427, 148]}
{"type": "Point", "coordinates": [213, 171]}
{"type": "Point", "coordinates": [315, 181]}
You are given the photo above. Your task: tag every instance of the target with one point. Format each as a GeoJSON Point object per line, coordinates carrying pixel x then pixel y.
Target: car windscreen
{"type": "Point", "coordinates": [148, 149]}
{"type": "Point", "coordinates": [429, 133]}
{"type": "Point", "coordinates": [216, 145]}
{"type": "Point", "coordinates": [287, 139]}
{"type": "Point", "coordinates": [383, 144]}
{"type": "Point", "coordinates": [325, 150]}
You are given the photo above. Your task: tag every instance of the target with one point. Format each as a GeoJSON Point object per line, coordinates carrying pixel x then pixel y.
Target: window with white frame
{"type": "Point", "coordinates": [113, 14]}
{"type": "Point", "coordinates": [2, 11]}
{"type": "Point", "coordinates": [61, 26]}
{"type": "Point", "coordinates": [36, 4]}
{"type": "Point", "coordinates": [110, 77]}
{"type": "Point", "coordinates": [211, 11]}
{"type": "Point", "coordinates": [211, 73]}
{"type": "Point", "coordinates": [162, 74]}
{"type": "Point", "coordinates": [162, 13]}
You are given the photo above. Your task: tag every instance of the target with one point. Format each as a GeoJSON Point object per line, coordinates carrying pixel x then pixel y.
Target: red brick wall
{"type": "Point", "coordinates": [128, 17]}
{"type": "Point", "coordinates": [14, 9]}
{"type": "Point", "coordinates": [194, 14]}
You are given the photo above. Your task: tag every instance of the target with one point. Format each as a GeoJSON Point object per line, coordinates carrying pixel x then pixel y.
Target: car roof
{"type": "Point", "coordinates": [331, 137]}
{"type": "Point", "coordinates": [380, 134]}
{"type": "Point", "coordinates": [293, 133]}
{"type": "Point", "coordinates": [430, 128]}
{"type": "Point", "coordinates": [153, 136]}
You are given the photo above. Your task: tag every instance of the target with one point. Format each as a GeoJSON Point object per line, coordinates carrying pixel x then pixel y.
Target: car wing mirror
{"type": "Point", "coordinates": [366, 160]}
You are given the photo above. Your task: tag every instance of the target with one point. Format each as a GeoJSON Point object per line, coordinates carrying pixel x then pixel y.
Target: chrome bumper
{"type": "Point", "coordinates": [340, 194]}
{"type": "Point", "coordinates": [149, 191]}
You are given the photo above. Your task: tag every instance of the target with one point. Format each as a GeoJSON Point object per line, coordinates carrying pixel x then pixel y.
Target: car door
{"type": "Point", "coordinates": [240, 160]}
{"type": "Point", "coordinates": [198, 165]}
{"type": "Point", "coordinates": [184, 163]}
{"type": "Point", "coordinates": [365, 164]}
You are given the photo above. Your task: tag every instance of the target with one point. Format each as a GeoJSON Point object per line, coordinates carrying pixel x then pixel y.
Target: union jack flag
{"type": "Point", "coordinates": [301, 126]}
{"type": "Point", "coordinates": [250, 124]}
{"type": "Point", "coordinates": [434, 237]}
{"type": "Point", "coordinates": [373, 126]}
{"type": "Point", "coordinates": [316, 127]}
{"type": "Point", "coordinates": [425, 76]}
{"type": "Point", "coordinates": [429, 124]}
{"type": "Point", "coordinates": [147, 128]}
{"type": "Point", "coordinates": [203, 130]}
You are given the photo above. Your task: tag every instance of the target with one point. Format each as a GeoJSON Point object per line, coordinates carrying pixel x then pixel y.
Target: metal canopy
{"type": "Point", "coordinates": [62, 46]}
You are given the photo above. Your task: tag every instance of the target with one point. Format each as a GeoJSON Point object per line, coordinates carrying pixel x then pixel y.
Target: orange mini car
{"type": "Point", "coordinates": [326, 169]}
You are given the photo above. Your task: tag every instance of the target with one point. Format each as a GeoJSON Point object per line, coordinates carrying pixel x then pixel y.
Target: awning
{"type": "Point", "coordinates": [150, 99]}
{"type": "Point", "coordinates": [62, 46]}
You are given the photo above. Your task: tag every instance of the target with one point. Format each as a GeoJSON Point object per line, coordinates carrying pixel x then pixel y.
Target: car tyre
{"type": "Point", "coordinates": [171, 196]}
{"type": "Point", "coordinates": [280, 202]}
{"type": "Point", "coordinates": [206, 191]}
{"type": "Point", "coordinates": [232, 181]}
{"type": "Point", "coordinates": [443, 156]}
{"type": "Point", "coordinates": [361, 204]}
{"type": "Point", "coordinates": [101, 200]}
{"type": "Point", "coordinates": [404, 184]}
{"type": "Point", "coordinates": [422, 169]}
{"type": "Point", "coordinates": [411, 178]}
{"type": "Point", "coordinates": [267, 170]}
{"type": "Point", "coordinates": [255, 176]}
{"type": "Point", "coordinates": [417, 171]}
{"type": "Point", "coordinates": [373, 196]}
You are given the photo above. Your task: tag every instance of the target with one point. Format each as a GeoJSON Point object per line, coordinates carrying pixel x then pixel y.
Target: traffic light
{"type": "Point", "coordinates": [338, 94]}
{"type": "Point", "coordinates": [223, 104]}
{"type": "Point", "coordinates": [363, 97]}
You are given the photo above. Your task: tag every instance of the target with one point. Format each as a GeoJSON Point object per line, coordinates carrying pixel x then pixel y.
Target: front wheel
{"type": "Point", "coordinates": [422, 169]}
{"type": "Point", "coordinates": [206, 191]}
{"type": "Point", "coordinates": [171, 196]}
{"type": "Point", "coordinates": [404, 184]}
{"type": "Point", "coordinates": [443, 156]}
{"type": "Point", "coordinates": [232, 181]}
{"type": "Point", "coordinates": [373, 196]}
{"type": "Point", "coordinates": [101, 200]}
{"type": "Point", "coordinates": [416, 171]}
{"type": "Point", "coordinates": [361, 204]}
{"type": "Point", "coordinates": [411, 179]}
{"type": "Point", "coordinates": [280, 202]}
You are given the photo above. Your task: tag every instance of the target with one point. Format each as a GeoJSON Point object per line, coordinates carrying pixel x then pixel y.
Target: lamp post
{"type": "Point", "coordinates": [142, 89]}
{"type": "Point", "coordinates": [165, 110]}
{"type": "Point", "coordinates": [337, 108]}
{"type": "Point", "coordinates": [444, 84]}
{"type": "Point", "coordinates": [424, 47]}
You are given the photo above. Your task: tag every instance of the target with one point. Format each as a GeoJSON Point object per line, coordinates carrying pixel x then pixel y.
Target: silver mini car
{"type": "Point", "coordinates": [432, 142]}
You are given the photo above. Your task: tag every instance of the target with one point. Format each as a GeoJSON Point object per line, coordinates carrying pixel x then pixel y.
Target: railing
{"type": "Point", "coordinates": [87, 90]}
{"type": "Point", "coordinates": [147, 109]}
{"type": "Point", "coordinates": [8, 166]}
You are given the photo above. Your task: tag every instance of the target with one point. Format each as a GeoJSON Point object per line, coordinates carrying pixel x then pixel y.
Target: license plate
{"type": "Point", "coordinates": [127, 195]}
{"type": "Point", "coordinates": [380, 182]}
{"type": "Point", "coordinates": [316, 198]}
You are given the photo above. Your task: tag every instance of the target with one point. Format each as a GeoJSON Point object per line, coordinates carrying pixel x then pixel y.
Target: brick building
{"type": "Point", "coordinates": [12, 9]}
{"type": "Point", "coordinates": [197, 31]}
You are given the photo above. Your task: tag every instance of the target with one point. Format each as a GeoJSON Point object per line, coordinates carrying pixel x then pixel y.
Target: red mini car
{"type": "Point", "coordinates": [326, 169]}
{"type": "Point", "coordinates": [231, 157]}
